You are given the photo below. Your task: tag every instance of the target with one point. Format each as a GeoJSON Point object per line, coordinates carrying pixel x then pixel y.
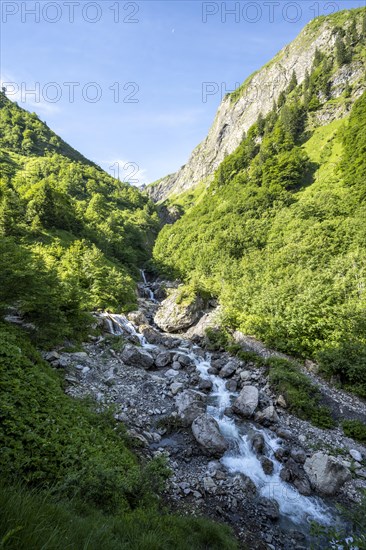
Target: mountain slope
{"type": "Point", "coordinates": [279, 235]}
{"type": "Point", "coordinates": [72, 237]}
{"type": "Point", "coordinates": [238, 111]}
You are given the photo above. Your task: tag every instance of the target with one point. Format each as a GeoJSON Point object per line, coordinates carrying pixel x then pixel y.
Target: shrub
{"type": "Point", "coordinates": [355, 429]}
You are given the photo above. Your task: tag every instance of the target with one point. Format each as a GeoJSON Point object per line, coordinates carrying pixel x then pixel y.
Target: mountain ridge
{"type": "Point", "coordinates": [239, 111]}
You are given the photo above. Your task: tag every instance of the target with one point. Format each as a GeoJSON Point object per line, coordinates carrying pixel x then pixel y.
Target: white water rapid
{"type": "Point", "coordinates": [240, 458]}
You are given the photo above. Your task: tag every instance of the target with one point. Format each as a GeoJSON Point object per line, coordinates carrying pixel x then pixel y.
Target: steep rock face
{"type": "Point", "coordinates": [239, 111]}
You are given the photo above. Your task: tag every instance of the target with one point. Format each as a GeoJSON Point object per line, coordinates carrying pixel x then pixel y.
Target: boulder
{"type": "Point", "coordinates": [326, 474]}
{"type": "Point", "coordinates": [190, 404]}
{"type": "Point", "coordinates": [137, 357]}
{"type": "Point", "coordinates": [267, 465]}
{"type": "Point", "coordinates": [298, 455]}
{"type": "Point", "coordinates": [247, 401]}
{"type": "Point", "coordinates": [150, 334]}
{"type": "Point", "coordinates": [281, 402]}
{"type": "Point", "coordinates": [175, 314]}
{"type": "Point", "coordinates": [356, 455]}
{"type": "Point", "coordinates": [228, 369]}
{"type": "Point", "coordinates": [137, 318]}
{"type": "Point", "coordinates": [163, 359]}
{"type": "Point", "coordinates": [205, 384]}
{"type": "Point", "coordinates": [257, 442]}
{"type": "Point", "coordinates": [208, 320]}
{"type": "Point", "coordinates": [267, 417]}
{"type": "Point", "coordinates": [207, 433]}
{"type": "Point", "coordinates": [294, 473]}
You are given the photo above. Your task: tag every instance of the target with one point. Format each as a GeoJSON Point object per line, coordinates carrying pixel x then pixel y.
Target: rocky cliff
{"type": "Point", "coordinates": [239, 110]}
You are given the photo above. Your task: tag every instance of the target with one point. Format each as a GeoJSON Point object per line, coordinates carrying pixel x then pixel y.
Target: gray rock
{"type": "Point", "coordinates": [267, 465]}
{"type": "Point", "coordinates": [257, 442]}
{"type": "Point", "coordinates": [298, 455]}
{"type": "Point", "coordinates": [151, 334]}
{"type": "Point", "coordinates": [176, 365]}
{"type": "Point", "coordinates": [231, 385]}
{"type": "Point", "coordinates": [176, 387]}
{"type": "Point", "coordinates": [267, 417]}
{"type": "Point", "coordinates": [247, 401]}
{"type": "Point", "coordinates": [137, 357]}
{"type": "Point", "coordinates": [163, 359]}
{"type": "Point", "coordinates": [326, 474]}
{"type": "Point", "coordinates": [52, 356]}
{"type": "Point", "coordinates": [173, 316]}
{"type": "Point", "coordinates": [281, 402]}
{"type": "Point", "coordinates": [205, 384]}
{"type": "Point", "coordinates": [228, 370]}
{"type": "Point", "coordinates": [356, 455]}
{"type": "Point", "coordinates": [270, 508]}
{"type": "Point", "coordinates": [207, 433]}
{"type": "Point", "coordinates": [171, 373]}
{"type": "Point", "coordinates": [190, 404]}
{"type": "Point", "coordinates": [137, 318]}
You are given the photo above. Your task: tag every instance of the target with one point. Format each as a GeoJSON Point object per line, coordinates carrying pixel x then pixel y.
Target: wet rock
{"type": "Point", "coordinates": [175, 315]}
{"type": "Point", "coordinates": [267, 465]}
{"type": "Point", "coordinates": [151, 335]}
{"type": "Point", "coordinates": [270, 508]}
{"type": "Point", "coordinates": [190, 404]}
{"type": "Point", "coordinates": [282, 454]}
{"type": "Point", "coordinates": [207, 433]}
{"type": "Point", "coordinates": [205, 384]}
{"type": "Point", "coordinates": [267, 417]}
{"type": "Point", "coordinates": [137, 357]}
{"type": "Point", "coordinates": [326, 474]}
{"type": "Point", "coordinates": [183, 360]}
{"type": "Point", "coordinates": [298, 455]}
{"type": "Point", "coordinates": [247, 401]}
{"type": "Point", "coordinates": [176, 365]}
{"type": "Point", "coordinates": [137, 318]}
{"type": "Point", "coordinates": [163, 359]}
{"type": "Point", "coordinates": [228, 370]}
{"type": "Point", "coordinates": [257, 442]}
{"type": "Point", "coordinates": [356, 455]}
{"type": "Point", "coordinates": [213, 370]}
{"type": "Point", "coordinates": [295, 473]}
{"type": "Point", "coordinates": [231, 385]}
{"type": "Point", "coordinates": [283, 433]}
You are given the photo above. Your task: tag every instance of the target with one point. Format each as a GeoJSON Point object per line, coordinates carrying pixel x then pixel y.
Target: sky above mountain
{"type": "Point", "coordinates": [134, 86]}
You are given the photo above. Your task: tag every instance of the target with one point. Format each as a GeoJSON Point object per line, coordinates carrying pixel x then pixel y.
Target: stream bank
{"type": "Point", "coordinates": [162, 384]}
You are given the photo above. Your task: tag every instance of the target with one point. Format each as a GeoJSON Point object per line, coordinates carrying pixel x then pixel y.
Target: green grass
{"type": "Point", "coordinates": [32, 520]}
{"type": "Point", "coordinates": [355, 429]}
{"type": "Point", "coordinates": [301, 395]}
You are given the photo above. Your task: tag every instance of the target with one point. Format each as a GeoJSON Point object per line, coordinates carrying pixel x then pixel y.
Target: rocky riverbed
{"type": "Point", "coordinates": [235, 452]}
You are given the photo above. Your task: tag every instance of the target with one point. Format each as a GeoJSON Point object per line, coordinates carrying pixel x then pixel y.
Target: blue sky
{"type": "Point", "coordinates": [138, 69]}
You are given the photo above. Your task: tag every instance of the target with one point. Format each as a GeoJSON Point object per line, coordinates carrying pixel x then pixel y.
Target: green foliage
{"type": "Point", "coordinates": [31, 519]}
{"type": "Point", "coordinates": [80, 234]}
{"type": "Point", "coordinates": [347, 362]}
{"type": "Point", "coordinates": [355, 429]}
{"type": "Point", "coordinates": [301, 395]}
{"type": "Point", "coordinates": [279, 235]}
{"type": "Point", "coordinates": [217, 339]}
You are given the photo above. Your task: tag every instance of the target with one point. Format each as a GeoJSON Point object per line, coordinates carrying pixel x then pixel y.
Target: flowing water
{"type": "Point", "coordinates": [295, 508]}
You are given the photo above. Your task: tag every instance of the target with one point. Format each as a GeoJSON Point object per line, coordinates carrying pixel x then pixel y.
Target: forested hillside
{"type": "Point", "coordinates": [73, 237]}
{"type": "Point", "coordinates": [72, 241]}
{"type": "Point", "coordinates": [279, 236]}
